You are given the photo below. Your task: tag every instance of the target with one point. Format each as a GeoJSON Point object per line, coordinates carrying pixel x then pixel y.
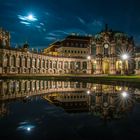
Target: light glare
{"type": "Point", "coordinates": [124, 56]}
{"type": "Point", "coordinates": [88, 57]}
{"type": "Point", "coordinates": [124, 94]}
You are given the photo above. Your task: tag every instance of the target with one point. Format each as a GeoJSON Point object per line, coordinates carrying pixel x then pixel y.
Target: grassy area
{"type": "Point", "coordinates": [132, 78]}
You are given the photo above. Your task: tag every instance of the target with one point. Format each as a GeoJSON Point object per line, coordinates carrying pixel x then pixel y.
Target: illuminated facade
{"type": "Point", "coordinates": [108, 48]}
{"type": "Point", "coordinates": [137, 60]}
{"type": "Point", "coordinates": [99, 54]}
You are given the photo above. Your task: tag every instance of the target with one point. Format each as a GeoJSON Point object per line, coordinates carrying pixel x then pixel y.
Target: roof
{"type": "Point", "coordinates": [87, 37]}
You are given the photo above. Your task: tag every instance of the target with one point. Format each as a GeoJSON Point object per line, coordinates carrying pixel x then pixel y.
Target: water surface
{"type": "Point", "coordinates": [53, 110]}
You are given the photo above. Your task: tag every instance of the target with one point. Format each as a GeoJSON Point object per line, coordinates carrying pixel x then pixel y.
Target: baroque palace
{"type": "Point", "coordinates": [108, 52]}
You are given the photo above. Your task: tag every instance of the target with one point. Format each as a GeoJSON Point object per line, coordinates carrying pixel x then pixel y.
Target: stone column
{"type": "Point", "coordinates": [99, 66]}
{"type": "Point", "coordinates": [112, 66]}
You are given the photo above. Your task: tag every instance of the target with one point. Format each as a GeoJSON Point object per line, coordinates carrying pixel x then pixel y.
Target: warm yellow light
{"type": "Point", "coordinates": [89, 57]}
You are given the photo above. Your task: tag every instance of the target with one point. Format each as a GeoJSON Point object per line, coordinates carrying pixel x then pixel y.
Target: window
{"type": "Point", "coordinates": [139, 65]}
{"type": "Point", "coordinates": [84, 65]}
{"type": "Point", "coordinates": [6, 58]}
{"type": "Point", "coordinates": [71, 65]}
{"type": "Point", "coordinates": [66, 65]}
{"type": "Point", "coordinates": [43, 63]}
{"type": "Point", "coordinates": [13, 61]}
{"type": "Point", "coordinates": [55, 64]}
{"type": "Point", "coordinates": [47, 63]}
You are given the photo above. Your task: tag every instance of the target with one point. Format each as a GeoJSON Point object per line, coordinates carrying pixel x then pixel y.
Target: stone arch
{"type": "Point", "coordinates": [24, 61]}
{"type": "Point", "coordinates": [18, 61]}
{"type": "Point", "coordinates": [34, 62]}
{"type": "Point", "coordinates": [29, 62]}
{"type": "Point", "coordinates": [47, 64]}
{"type": "Point", "coordinates": [106, 67]}
{"type": "Point", "coordinates": [78, 64]}
{"type": "Point", "coordinates": [50, 64]}
{"type": "Point", "coordinates": [13, 61]}
{"type": "Point", "coordinates": [43, 63]}
{"type": "Point", "coordinates": [39, 63]}
{"type": "Point", "coordinates": [65, 65]}
{"type": "Point", "coordinates": [71, 65]}
{"type": "Point", "coordinates": [6, 60]}
{"type": "Point", "coordinates": [84, 65]}
{"type": "Point", "coordinates": [55, 64]}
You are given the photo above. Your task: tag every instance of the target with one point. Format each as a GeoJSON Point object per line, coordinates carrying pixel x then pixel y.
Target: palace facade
{"type": "Point", "coordinates": [99, 54]}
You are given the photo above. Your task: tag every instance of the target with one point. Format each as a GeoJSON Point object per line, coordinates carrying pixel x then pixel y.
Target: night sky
{"type": "Point", "coordinates": [41, 22]}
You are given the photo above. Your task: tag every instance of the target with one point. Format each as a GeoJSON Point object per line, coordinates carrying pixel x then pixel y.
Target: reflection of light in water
{"type": "Point", "coordinates": [88, 92]}
{"type": "Point", "coordinates": [124, 94]}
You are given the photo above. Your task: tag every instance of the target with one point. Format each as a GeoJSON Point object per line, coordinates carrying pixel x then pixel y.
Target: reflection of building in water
{"type": "Point", "coordinates": [70, 101]}
{"type": "Point", "coordinates": [106, 101]}
{"type": "Point", "coordinates": [3, 109]}
{"type": "Point", "coordinates": [22, 88]}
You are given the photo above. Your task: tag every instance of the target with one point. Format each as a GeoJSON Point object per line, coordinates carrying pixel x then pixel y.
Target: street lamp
{"type": "Point", "coordinates": [89, 64]}
{"type": "Point", "coordinates": [89, 57]}
{"type": "Point", "coordinates": [124, 94]}
{"type": "Point", "coordinates": [124, 57]}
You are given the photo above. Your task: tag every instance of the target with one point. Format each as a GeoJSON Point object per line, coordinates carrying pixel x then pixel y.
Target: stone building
{"type": "Point", "coordinates": [109, 52]}
{"type": "Point", "coordinates": [137, 61]}
{"type": "Point", "coordinates": [72, 46]}
{"type": "Point", "coordinates": [22, 61]}
{"type": "Point", "coordinates": [113, 52]}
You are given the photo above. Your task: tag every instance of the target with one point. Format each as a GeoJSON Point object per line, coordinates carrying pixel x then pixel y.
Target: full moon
{"type": "Point", "coordinates": [31, 17]}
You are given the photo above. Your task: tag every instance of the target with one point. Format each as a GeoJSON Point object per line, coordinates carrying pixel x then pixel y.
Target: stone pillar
{"type": "Point", "coordinates": [98, 66]}
{"type": "Point", "coordinates": [89, 66]}
{"type": "Point", "coordinates": [81, 67]}
{"type": "Point", "coordinates": [112, 66]}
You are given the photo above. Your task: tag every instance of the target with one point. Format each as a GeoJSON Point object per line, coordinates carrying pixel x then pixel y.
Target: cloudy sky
{"type": "Point", "coordinates": [40, 22]}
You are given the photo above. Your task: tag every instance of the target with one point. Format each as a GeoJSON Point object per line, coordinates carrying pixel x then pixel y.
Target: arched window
{"type": "Point", "coordinates": [43, 63]}
{"type": "Point", "coordinates": [77, 65]}
{"type": "Point", "coordinates": [13, 61]}
{"type": "Point", "coordinates": [23, 62]}
{"type": "Point", "coordinates": [65, 65]}
{"type": "Point", "coordinates": [6, 60]}
{"type": "Point", "coordinates": [18, 62]}
{"type": "Point", "coordinates": [47, 63]}
{"type": "Point", "coordinates": [71, 65]}
{"type": "Point", "coordinates": [51, 64]}
{"type": "Point", "coordinates": [84, 65]}
{"type": "Point", "coordinates": [55, 64]}
{"type": "Point", "coordinates": [60, 65]}
{"type": "Point", "coordinates": [39, 63]}
{"type": "Point", "coordinates": [138, 64]}
{"type": "Point", "coordinates": [33, 62]}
